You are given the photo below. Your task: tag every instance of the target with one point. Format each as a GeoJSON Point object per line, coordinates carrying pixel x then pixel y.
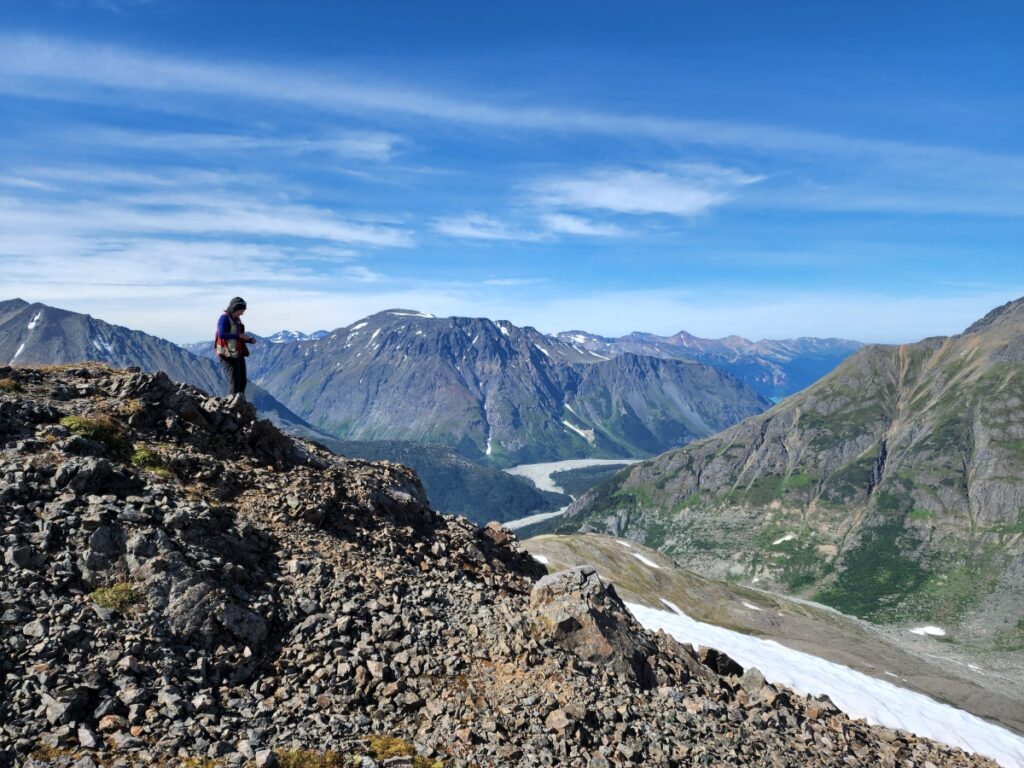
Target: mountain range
{"type": "Point", "coordinates": [892, 489]}
{"type": "Point", "coordinates": [773, 368]}
{"type": "Point", "coordinates": [494, 390]}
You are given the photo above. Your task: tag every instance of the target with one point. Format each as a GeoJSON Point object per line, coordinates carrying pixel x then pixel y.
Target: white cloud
{"type": "Point", "coordinates": [479, 226]}
{"type": "Point", "coordinates": [576, 225]}
{"type": "Point", "coordinates": [48, 66]}
{"type": "Point", "coordinates": [685, 191]}
{"type": "Point", "coordinates": [877, 174]}
{"type": "Point", "coordinates": [196, 213]}
{"type": "Point", "coordinates": [359, 145]}
{"type": "Point", "coordinates": [513, 282]}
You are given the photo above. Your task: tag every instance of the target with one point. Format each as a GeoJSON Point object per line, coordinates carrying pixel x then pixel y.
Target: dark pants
{"type": "Point", "coordinates": [234, 373]}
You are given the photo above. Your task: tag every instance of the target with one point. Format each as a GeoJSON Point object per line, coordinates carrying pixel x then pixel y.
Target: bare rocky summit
{"type": "Point", "coordinates": [183, 584]}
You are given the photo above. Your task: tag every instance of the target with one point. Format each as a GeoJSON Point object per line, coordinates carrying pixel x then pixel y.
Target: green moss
{"type": "Point", "coordinates": [800, 481]}
{"type": "Point", "coordinates": [761, 491]}
{"type": "Point", "coordinates": [691, 501]}
{"type": "Point", "coordinates": [796, 561]}
{"type": "Point", "coordinates": [102, 428]}
{"type": "Point", "coordinates": [852, 480]}
{"type": "Point", "coordinates": [144, 458]}
{"type": "Point", "coordinates": [959, 582]}
{"type": "Point", "coordinates": [1011, 639]}
{"type": "Point", "coordinates": [308, 758]}
{"type": "Point", "coordinates": [119, 597]}
{"type": "Point", "coordinates": [919, 515]}
{"type": "Point", "coordinates": [878, 574]}
{"type": "Point", "coordinates": [385, 747]}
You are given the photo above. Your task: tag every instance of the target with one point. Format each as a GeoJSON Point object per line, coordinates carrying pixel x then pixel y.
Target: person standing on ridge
{"type": "Point", "coordinates": [230, 346]}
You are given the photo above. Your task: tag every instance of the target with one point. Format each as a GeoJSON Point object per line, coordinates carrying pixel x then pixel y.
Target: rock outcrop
{"type": "Point", "coordinates": [181, 582]}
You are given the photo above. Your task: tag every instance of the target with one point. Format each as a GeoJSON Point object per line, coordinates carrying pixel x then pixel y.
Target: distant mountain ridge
{"type": "Point", "coordinates": [893, 489]}
{"type": "Point", "coordinates": [205, 348]}
{"type": "Point", "coordinates": [493, 389]}
{"type": "Point", "coordinates": [774, 368]}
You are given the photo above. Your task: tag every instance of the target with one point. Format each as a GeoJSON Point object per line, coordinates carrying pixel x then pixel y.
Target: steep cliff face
{"type": "Point", "coordinates": [892, 489]}
{"type": "Point", "coordinates": [494, 390]}
{"type": "Point", "coordinates": [182, 582]}
{"type": "Point", "coordinates": [773, 368]}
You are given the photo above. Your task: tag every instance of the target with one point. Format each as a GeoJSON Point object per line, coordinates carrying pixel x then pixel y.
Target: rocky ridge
{"type": "Point", "coordinates": [182, 581]}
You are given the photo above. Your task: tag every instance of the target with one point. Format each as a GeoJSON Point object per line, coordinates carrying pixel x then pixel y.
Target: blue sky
{"type": "Point", "coordinates": [770, 170]}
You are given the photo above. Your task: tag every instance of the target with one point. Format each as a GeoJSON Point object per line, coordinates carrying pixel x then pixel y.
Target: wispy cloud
{"type": "Point", "coordinates": [685, 191]}
{"type": "Point", "coordinates": [565, 223]}
{"type": "Point", "coordinates": [514, 282]}
{"type": "Point", "coordinates": [377, 146]}
{"type": "Point", "coordinates": [201, 216]}
{"type": "Point", "coordinates": [48, 66]}
{"type": "Point", "coordinates": [479, 226]}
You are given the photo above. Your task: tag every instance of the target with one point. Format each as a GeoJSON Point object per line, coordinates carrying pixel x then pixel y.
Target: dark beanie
{"type": "Point", "coordinates": [236, 304]}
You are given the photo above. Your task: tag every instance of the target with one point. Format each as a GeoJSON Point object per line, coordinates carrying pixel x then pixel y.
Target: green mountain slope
{"type": "Point", "coordinates": [893, 489]}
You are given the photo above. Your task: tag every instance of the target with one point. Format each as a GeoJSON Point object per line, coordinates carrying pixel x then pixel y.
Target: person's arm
{"type": "Point", "coordinates": [224, 328]}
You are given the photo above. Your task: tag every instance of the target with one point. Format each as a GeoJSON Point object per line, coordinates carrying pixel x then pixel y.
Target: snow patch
{"type": "Point", "coordinates": [20, 350]}
{"type": "Point", "coordinates": [546, 353]}
{"type": "Point", "coordinates": [751, 606]}
{"type": "Point", "coordinates": [787, 537]}
{"type": "Point", "coordinates": [374, 336]}
{"type": "Point", "coordinates": [586, 434]}
{"type": "Point", "coordinates": [929, 630]}
{"type": "Point", "coordinates": [503, 330]}
{"type": "Point", "coordinates": [626, 544]}
{"type": "Point", "coordinates": [645, 560]}
{"type": "Point", "coordinates": [358, 326]}
{"type": "Point", "coordinates": [34, 322]}
{"type": "Point", "coordinates": [410, 314]}
{"type": "Point", "coordinates": [103, 346]}
{"type": "Point", "coordinates": [672, 606]}
{"type": "Point", "coordinates": [522, 522]}
{"type": "Point", "coordinates": [857, 694]}
{"type": "Point", "coordinates": [539, 558]}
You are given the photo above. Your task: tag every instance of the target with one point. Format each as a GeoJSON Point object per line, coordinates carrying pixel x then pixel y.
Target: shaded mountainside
{"type": "Point", "coordinates": [37, 334]}
{"type": "Point", "coordinates": [185, 583]}
{"type": "Point", "coordinates": [456, 485]}
{"type": "Point", "coordinates": [920, 663]}
{"type": "Point", "coordinates": [773, 368]}
{"type": "Point", "coordinates": [893, 489]}
{"type": "Point", "coordinates": [494, 390]}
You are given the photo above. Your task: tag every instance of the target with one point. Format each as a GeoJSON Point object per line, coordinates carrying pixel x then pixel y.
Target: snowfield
{"type": "Point", "coordinates": [857, 694]}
